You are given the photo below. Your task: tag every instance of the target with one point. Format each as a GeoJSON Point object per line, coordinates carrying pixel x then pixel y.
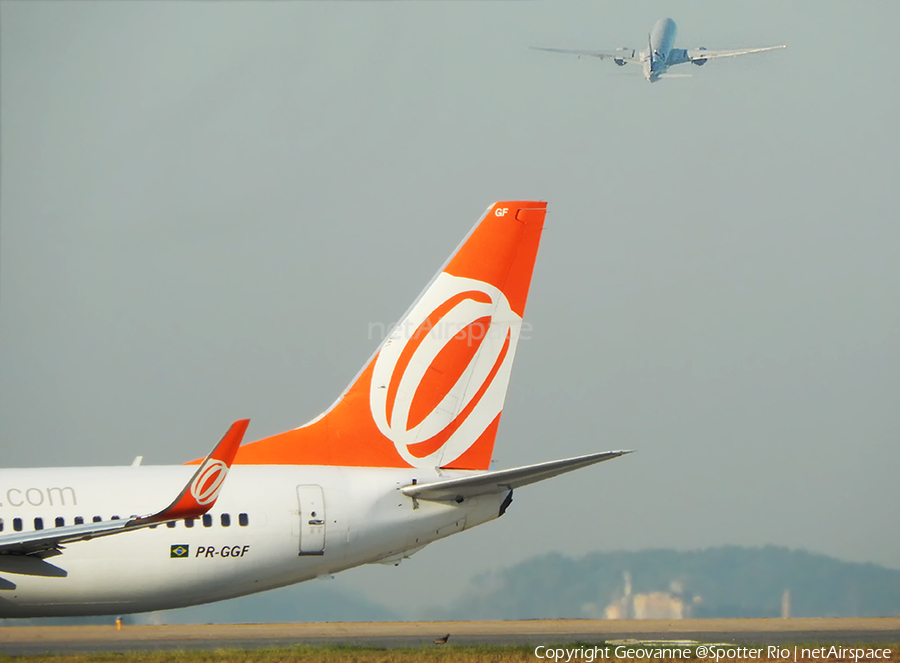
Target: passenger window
{"type": "Point", "coordinates": [1, 524]}
{"type": "Point", "coordinates": [79, 520]}
{"type": "Point", "coordinates": [60, 521]}
{"type": "Point", "coordinates": [188, 522]}
{"type": "Point", "coordinates": [207, 520]}
{"type": "Point", "coordinates": [225, 519]}
{"type": "Point", "coordinates": [17, 524]}
{"type": "Point", "coordinates": [171, 524]}
{"type": "Point", "coordinates": [38, 523]}
{"type": "Point", "coordinates": [243, 519]}
{"type": "Point", "coordinates": [97, 519]}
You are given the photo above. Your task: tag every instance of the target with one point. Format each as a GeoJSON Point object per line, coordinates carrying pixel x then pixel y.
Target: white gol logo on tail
{"type": "Point", "coordinates": [205, 488]}
{"type": "Point", "coordinates": [473, 378]}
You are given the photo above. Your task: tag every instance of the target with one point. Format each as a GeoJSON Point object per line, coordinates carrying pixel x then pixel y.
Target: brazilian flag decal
{"type": "Point", "coordinates": [178, 551]}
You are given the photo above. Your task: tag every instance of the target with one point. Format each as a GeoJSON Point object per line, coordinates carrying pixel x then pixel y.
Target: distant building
{"type": "Point", "coordinates": [654, 605]}
{"type": "Point", "coordinates": [786, 604]}
{"type": "Point", "coordinates": [659, 605]}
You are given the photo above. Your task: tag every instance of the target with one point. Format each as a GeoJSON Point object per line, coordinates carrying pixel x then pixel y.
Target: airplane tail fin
{"type": "Point", "coordinates": [432, 394]}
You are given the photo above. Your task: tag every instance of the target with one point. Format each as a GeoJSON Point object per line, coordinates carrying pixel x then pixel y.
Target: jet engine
{"type": "Point", "coordinates": [701, 61]}
{"type": "Point", "coordinates": [624, 50]}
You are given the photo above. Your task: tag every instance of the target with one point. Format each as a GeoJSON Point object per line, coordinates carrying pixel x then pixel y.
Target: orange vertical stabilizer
{"type": "Point", "coordinates": [432, 394]}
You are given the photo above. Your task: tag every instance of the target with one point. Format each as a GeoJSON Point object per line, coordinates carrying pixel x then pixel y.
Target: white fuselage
{"type": "Point", "coordinates": [661, 42]}
{"type": "Point", "coordinates": [300, 522]}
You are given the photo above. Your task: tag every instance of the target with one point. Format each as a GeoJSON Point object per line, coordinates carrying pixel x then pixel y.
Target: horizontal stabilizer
{"type": "Point", "coordinates": [502, 480]}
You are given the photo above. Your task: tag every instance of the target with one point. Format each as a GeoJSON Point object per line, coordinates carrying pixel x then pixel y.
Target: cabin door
{"type": "Point", "coordinates": [312, 520]}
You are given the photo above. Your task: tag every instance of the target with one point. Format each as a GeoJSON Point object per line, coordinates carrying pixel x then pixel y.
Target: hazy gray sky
{"type": "Point", "coordinates": [203, 206]}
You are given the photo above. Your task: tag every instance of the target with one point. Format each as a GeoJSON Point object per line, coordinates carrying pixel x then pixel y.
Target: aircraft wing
{"type": "Point", "coordinates": [624, 54]}
{"type": "Point", "coordinates": [195, 499]}
{"type": "Point", "coordinates": [703, 54]}
{"type": "Point", "coordinates": [495, 482]}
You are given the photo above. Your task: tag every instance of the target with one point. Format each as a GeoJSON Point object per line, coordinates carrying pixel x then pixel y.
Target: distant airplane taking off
{"type": "Point", "coordinates": [660, 54]}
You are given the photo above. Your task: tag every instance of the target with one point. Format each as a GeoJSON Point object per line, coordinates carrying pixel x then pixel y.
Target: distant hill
{"type": "Point", "coordinates": [718, 582]}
